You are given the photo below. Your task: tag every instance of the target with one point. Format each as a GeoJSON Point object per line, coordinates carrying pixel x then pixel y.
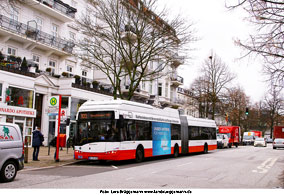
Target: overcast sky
{"type": "Point", "coordinates": [217, 28]}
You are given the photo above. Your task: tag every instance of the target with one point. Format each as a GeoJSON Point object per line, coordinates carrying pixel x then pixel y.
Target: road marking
{"type": "Point", "coordinates": [114, 167]}
{"type": "Point", "coordinates": [265, 166]}
{"type": "Point", "coordinates": [184, 164]}
{"type": "Point", "coordinates": [129, 178]}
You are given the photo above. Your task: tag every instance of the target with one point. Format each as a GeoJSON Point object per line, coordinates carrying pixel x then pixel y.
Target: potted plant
{"type": "Point", "coordinates": [12, 58]}
{"type": "Point", "coordinates": [24, 65]}
{"type": "Point", "coordinates": [88, 84]}
{"type": "Point", "coordinates": [65, 74]}
{"type": "Point", "coordinates": [102, 88]}
{"type": "Point", "coordinates": [48, 69]}
{"type": "Point", "coordinates": [95, 84]}
{"type": "Point", "coordinates": [84, 83]}
{"type": "Point", "coordinates": [19, 60]}
{"type": "Point", "coordinates": [2, 57]}
{"type": "Point", "coordinates": [175, 106]}
{"type": "Point", "coordinates": [77, 79]}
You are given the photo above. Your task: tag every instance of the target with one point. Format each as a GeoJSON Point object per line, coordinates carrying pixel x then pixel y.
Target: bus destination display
{"type": "Point", "coordinates": [96, 115]}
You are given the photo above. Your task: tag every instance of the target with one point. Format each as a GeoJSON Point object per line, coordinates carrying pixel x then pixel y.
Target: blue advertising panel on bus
{"type": "Point", "coordinates": [161, 138]}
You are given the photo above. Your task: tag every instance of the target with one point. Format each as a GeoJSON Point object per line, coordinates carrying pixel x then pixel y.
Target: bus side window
{"type": "Point", "coordinates": [131, 130]}
{"type": "Point", "coordinates": [175, 132]}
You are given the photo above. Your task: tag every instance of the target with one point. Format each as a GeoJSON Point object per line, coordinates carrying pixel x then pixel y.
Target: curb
{"type": "Point", "coordinates": [48, 167]}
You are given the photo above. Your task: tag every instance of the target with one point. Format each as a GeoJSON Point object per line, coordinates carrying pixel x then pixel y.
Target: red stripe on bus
{"type": "Point", "coordinates": [130, 154]}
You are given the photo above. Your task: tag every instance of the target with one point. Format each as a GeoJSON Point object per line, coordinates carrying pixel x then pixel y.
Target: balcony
{"type": "Point", "coordinates": [54, 8]}
{"type": "Point", "coordinates": [176, 80]}
{"type": "Point", "coordinates": [129, 34]}
{"type": "Point", "coordinates": [139, 94]}
{"type": "Point", "coordinates": [177, 60]}
{"type": "Point", "coordinates": [164, 101]}
{"type": "Point", "coordinates": [32, 38]}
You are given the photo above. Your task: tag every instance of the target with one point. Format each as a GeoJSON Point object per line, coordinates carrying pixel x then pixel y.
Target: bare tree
{"type": "Point", "coordinates": [200, 90]}
{"type": "Point", "coordinates": [124, 36]}
{"type": "Point", "coordinates": [268, 16]}
{"type": "Point", "coordinates": [274, 105]}
{"type": "Point", "coordinates": [235, 105]}
{"type": "Point", "coordinates": [218, 76]}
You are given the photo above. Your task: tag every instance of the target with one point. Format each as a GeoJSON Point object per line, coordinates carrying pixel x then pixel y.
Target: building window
{"type": "Point", "coordinates": [21, 97]}
{"type": "Point", "coordinates": [39, 22]}
{"type": "Point", "coordinates": [167, 89]}
{"type": "Point", "coordinates": [151, 65]}
{"type": "Point", "coordinates": [84, 73]}
{"type": "Point", "coordinates": [160, 89]}
{"type": "Point", "coordinates": [151, 87]}
{"type": "Point", "coordinates": [52, 65]}
{"type": "Point", "coordinates": [14, 14]}
{"type": "Point", "coordinates": [69, 68]}
{"type": "Point", "coordinates": [143, 85]}
{"type": "Point", "coordinates": [54, 30]}
{"type": "Point", "coordinates": [0, 92]}
{"type": "Point", "coordinates": [12, 51]}
{"type": "Point", "coordinates": [36, 58]}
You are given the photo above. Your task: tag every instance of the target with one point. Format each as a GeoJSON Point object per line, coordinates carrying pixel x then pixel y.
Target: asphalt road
{"type": "Point", "coordinates": [245, 167]}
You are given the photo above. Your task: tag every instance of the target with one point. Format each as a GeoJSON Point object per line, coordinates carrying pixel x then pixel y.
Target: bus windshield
{"type": "Point", "coordinates": [96, 131]}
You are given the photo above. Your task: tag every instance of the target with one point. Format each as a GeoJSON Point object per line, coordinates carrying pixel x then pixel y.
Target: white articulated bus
{"type": "Point", "coordinates": [122, 130]}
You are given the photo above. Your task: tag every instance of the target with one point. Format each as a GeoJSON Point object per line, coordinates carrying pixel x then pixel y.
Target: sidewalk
{"type": "Point", "coordinates": [46, 160]}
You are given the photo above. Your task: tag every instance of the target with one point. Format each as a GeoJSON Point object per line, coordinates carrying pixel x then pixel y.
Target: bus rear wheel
{"type": "Point", "coordinates": [139, 155]}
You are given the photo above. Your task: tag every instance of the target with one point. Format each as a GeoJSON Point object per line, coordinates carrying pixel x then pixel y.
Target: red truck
{"type": "Point", "coordinates": [257, 133]}
{"type": "Point", "coordinates": [278, 132]}
{"type": "Point", "coordinates": [233, 133]}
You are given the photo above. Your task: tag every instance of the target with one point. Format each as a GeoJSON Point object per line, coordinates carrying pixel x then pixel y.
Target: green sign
{"type": "Point", "coordinates": [53, 101]}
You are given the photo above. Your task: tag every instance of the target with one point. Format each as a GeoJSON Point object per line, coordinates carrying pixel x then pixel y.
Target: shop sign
{"type": "Point", "coordinates": [52, 112]}
{"type": "Point", "coordinates": [15, 111]}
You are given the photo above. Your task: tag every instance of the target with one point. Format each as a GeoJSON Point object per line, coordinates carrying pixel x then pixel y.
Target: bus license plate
{"type": "Point", "coordinates": [93, 158]}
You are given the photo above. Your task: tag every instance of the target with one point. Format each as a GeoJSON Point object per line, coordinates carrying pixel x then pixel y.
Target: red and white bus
{"type": "Point", "coordinates": [122, 130]}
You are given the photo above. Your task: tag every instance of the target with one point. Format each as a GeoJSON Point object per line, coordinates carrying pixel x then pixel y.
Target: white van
{"type": "Point", "coordinates": [11, 151]}
{"type": "Point", "coordinates": [222, 141]}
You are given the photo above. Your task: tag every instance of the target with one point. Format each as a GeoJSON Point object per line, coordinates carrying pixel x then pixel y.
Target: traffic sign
{"type": "Point", "coordinates": [53, 102]}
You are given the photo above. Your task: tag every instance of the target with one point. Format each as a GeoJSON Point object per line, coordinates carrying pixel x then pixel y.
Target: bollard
{"type": "Point", "coordinates": [26, 151]}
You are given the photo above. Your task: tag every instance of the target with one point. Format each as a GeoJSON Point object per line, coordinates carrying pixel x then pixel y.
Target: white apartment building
{"type": "Point", "coordinates": [187, 102]}
{"type": "Point", "coordinates": [43, 32]}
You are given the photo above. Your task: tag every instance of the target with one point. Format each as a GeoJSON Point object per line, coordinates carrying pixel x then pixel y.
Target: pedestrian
{"type": "Point", "coordinates": [37, 142]}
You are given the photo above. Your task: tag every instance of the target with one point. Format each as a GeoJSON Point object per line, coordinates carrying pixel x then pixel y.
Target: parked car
{"type": "Point", "coordinates": [222, 141]}
{"type": "Point", "coordinates": [278, 143]}
{"type": "Point", "coordinates": [260, 142]}
{"type": "Point", "coordinates": [11, 151]}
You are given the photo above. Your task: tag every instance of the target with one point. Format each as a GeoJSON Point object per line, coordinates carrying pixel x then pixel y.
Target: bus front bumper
{"type": "Point", "coordinates": [110, 155]}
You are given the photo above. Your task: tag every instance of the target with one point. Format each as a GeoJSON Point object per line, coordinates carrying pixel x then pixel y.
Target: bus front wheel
{"type": "Point", "coordinates": [139, 155]}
